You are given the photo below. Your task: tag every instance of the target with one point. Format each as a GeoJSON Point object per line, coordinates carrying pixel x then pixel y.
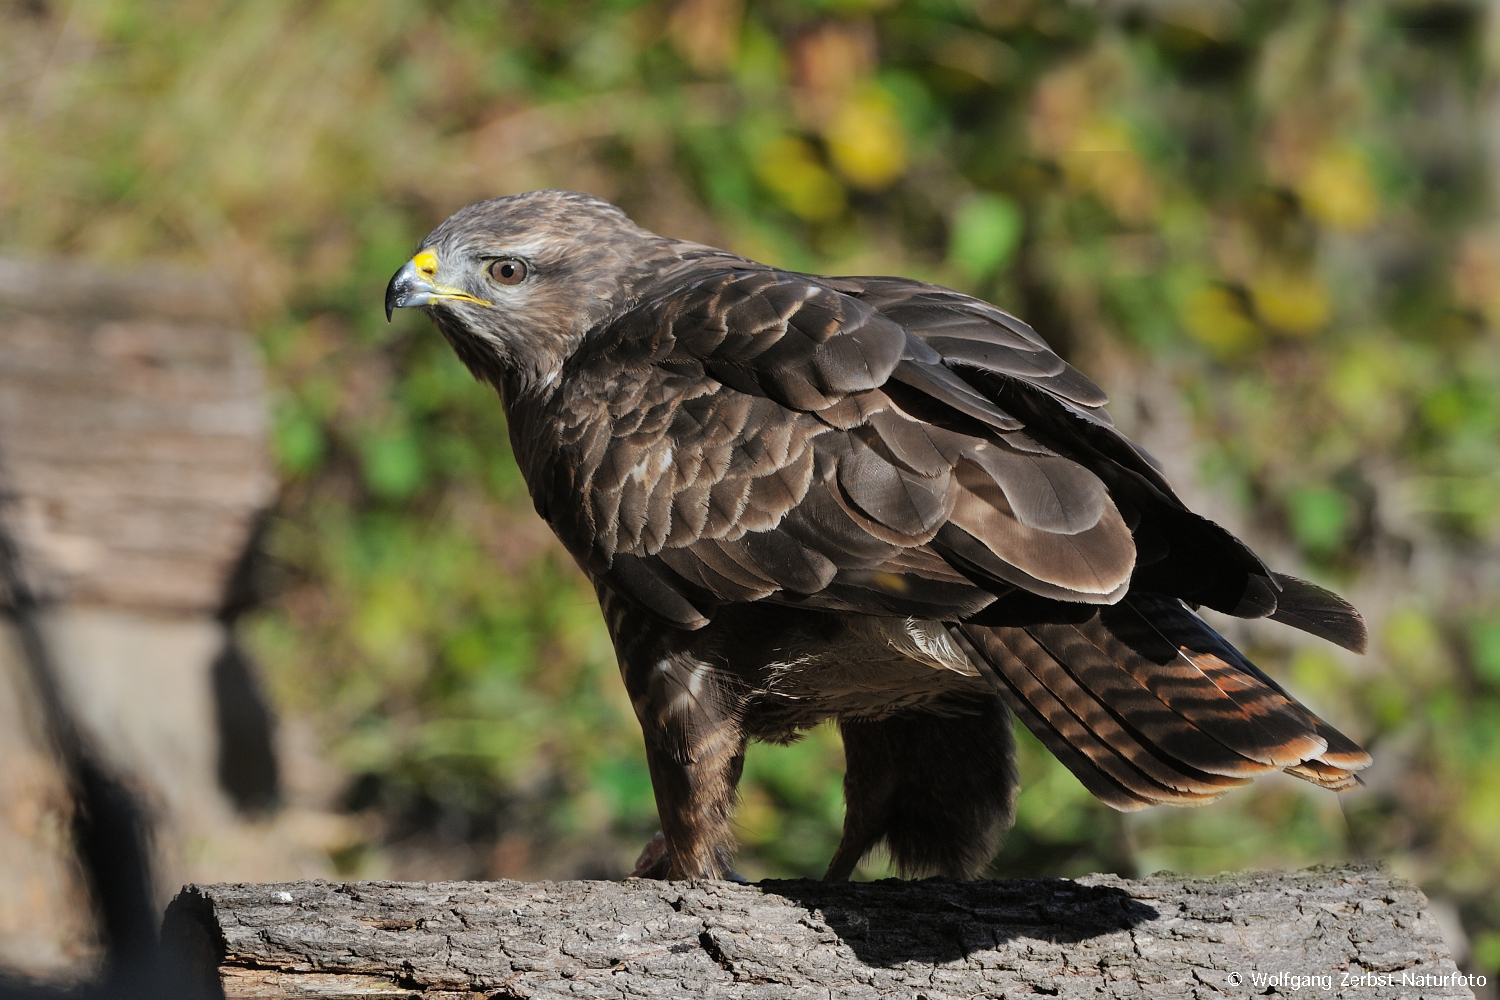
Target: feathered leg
{"type": "Point", "coordinates": [690, 710]}
{"type": "Point", "coordinates": [695, 769]}
{"type": "Point", "coordinates": [937, 785]}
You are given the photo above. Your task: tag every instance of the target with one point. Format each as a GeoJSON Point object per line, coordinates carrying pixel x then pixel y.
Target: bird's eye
{"type": "Point", "coordinates": [508, 272]}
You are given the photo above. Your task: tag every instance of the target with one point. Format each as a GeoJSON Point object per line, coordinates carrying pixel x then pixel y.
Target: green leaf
{"type": "Point", "coordinates": [986, 232]}
{"type": "Point", "coordinates": [1319, 518]}
{"type": "Point", "coordinates": [297, 438]}
{"type": "Point", "coordinates": [393, 465]}
{"type": "Point", "coordinates": [1484, 642]}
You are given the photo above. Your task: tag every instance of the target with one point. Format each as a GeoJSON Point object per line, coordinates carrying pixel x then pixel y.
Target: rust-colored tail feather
{"type": "Point", "coordinates": [1147, 705]}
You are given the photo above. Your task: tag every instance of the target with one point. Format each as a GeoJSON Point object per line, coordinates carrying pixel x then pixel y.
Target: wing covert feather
{"type": "Point", "coordinates": [735, 433]}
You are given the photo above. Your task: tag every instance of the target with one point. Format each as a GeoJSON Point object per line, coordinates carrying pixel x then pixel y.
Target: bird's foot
{"type": "Point", "coordinates": [655, 861]}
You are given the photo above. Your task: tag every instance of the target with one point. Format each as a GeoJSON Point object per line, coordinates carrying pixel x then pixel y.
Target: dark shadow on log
{"type": "Point", "coordinates": [939, 920]}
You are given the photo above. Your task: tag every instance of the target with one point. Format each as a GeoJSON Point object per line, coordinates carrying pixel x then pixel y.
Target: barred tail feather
{"type": "Point", "coordinates": [1148, 705]}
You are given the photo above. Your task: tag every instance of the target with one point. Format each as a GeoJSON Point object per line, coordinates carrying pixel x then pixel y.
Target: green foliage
{"type": "Point", "coordinates": [1319, 518]}
{"type": "Point", "coordinates": [1282, 204]}
{"type": "Point", "coordinates": [986, 231]}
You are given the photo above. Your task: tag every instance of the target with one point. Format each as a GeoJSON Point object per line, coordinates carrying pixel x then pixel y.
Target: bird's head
{"type": "Point", "coordinates": [514, 283]}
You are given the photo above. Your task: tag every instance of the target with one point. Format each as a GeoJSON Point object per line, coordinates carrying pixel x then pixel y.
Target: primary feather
{"type": "Point", "coordinates": [871, 499]}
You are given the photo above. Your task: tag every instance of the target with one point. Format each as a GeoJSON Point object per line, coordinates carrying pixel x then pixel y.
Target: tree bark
{"type": "Point", "coordinates": [1099, 936]}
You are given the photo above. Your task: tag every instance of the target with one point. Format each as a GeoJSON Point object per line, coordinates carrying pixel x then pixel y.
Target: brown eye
{"type": "Point", "coordinates": [508, 272]}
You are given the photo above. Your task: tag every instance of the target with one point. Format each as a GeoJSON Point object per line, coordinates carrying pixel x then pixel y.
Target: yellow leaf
{"type": "Point", "coordinates": [1101, 135]}
{"type": "Point", "coordinates": [1100, 158]}
{"type": "Point", "coordinates": [790, 168]}
{"type": "Point", "coordinates": [1216, 317]}
{"type": "Point", "coordinates": [865, 142]}
{"type": "Point", "coordinates": [1291, 303]}
{"type": "Point", "coordinates": [1337, 191]}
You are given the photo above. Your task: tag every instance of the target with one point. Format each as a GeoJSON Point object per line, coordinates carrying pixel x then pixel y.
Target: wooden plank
{"type": "Point", "coordinates": [132, 431]}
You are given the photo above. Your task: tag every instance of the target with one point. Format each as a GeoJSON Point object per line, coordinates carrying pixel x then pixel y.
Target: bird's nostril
{"type": "Point", "coordinates": [426, 264]}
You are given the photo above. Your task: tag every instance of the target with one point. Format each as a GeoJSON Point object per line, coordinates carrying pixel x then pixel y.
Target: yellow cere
{"type": "Point", "coordinates": [426, 264]}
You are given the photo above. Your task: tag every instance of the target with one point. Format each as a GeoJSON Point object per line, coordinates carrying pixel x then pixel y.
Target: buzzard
{"type": "Point", "coordinates": [872, 500]}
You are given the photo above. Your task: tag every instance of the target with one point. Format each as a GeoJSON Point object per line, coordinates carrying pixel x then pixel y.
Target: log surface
{"type": "Point", "coordinates": [1099, 936]}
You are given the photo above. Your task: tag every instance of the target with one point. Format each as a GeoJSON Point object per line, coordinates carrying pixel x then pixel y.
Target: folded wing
{"type": "Point", "coordinates": [762, 436]}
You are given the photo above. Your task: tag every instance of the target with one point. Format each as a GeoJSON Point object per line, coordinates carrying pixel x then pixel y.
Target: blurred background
{"type": "Point", "coordinates": [298, 593]}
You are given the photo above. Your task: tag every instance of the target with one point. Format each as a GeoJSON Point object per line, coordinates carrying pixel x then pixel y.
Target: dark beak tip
{"type": "Point", "coordinates": [392, 296]}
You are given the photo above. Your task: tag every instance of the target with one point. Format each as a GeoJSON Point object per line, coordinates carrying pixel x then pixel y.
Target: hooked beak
{"type": "Point", "coordinates": [413, 286]}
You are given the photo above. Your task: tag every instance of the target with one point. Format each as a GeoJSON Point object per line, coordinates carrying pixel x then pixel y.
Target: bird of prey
{"type": "Point", "coordinates": [872, 500]}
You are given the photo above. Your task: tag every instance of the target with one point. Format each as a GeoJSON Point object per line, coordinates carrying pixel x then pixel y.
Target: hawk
{"type": "Point", "coordinates": [871, 500]}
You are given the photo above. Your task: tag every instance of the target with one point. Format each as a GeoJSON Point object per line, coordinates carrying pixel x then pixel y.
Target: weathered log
{"type": "Point", "coordinates": [1367, 933]}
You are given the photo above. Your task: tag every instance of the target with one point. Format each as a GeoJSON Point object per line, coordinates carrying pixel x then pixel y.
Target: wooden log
{"type": "Point", "coordinates": [1357, 931]}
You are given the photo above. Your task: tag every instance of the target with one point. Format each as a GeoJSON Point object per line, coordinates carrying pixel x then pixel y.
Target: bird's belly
{"type": "Point", "coordinates": [866, 671]}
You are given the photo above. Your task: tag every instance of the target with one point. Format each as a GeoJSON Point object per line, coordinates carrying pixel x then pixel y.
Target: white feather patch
{"type": "Point", "coordinates": [927, 640]}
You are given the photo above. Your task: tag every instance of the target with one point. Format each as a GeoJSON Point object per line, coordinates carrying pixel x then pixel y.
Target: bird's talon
{"type": "Point", "coordinates": [655, 860]}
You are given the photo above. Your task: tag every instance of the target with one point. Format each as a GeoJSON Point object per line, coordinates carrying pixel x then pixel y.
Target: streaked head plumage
{"type": "Point", "coordinates": [515, 282]}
